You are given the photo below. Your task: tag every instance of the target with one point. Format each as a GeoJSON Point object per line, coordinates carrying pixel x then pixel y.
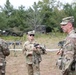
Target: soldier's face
{"type": "Point", "coordinates": [66, 28]}
{"type": "Point", "coordinates": [31, 36]}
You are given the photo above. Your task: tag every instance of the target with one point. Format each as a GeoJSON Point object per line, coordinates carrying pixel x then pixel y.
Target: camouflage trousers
{"type": "Point", "coordinates": [33, 69]}
{"type": "Point", "coordinates": [69, 73]}
{"type": "Point", "coordinates": [2, 70]}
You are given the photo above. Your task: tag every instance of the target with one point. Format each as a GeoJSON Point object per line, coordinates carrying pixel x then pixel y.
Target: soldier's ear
{"type": "Point", "coordinates": [70, 25]}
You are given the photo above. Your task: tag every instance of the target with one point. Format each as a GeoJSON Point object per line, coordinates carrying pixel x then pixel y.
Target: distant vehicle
{"type": "Point", "coordinates": [40, 28]}
{"type": "Point", "coordinates": [8, 32]}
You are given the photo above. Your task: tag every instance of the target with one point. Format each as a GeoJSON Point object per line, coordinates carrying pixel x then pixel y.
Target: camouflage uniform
{"type": "Point", "coordinates": [33, 58]}
{"type": "Point", "coordinates": [4, 51]}
{"type": "Point", "coordinates": [69, 48]}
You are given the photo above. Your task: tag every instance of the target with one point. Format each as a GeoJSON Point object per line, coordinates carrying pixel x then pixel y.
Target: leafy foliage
{"type": "Point", "coordinates": [45, 12]}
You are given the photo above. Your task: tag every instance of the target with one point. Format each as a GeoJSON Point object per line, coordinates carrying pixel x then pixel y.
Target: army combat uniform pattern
{"type": "Point", "coordinates": [69, 55]}
{"type": "Point", "coordinates": [33, 58]}
{"type": "Point", "coordinates": [4, 51]}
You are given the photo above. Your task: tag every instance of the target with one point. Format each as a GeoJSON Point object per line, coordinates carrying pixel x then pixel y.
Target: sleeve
{"type": "Point", "coordinates": [5, 48]}
{"type": "Point", "coordinates": [74, 42]}
{"type": "Point", "coordinates": [24, 48]}
{"type": "Point", "coordinates": [69, 44]}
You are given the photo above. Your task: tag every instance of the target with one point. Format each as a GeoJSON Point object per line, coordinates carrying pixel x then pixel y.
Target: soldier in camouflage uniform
{"type": "Point", "coordinates": [69, 47]}
{"type": "Point", "coordinates": [32, 52]}
{"type": "Point", "coordinates": [4, 51]}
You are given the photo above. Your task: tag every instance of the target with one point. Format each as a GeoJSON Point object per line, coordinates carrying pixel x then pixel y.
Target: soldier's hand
{"type": "Point", "coordinates": [59, 52]}
{"type": "Point", "coordinates": [34, 49]}
{"type": "Point", "coordinates": [38, 46]}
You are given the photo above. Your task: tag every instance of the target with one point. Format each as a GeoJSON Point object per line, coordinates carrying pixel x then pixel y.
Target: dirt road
{"type": "Point", "coordinates": [17, 66]}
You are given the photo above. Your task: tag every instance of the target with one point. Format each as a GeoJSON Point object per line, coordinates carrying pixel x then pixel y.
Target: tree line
{"type": "Point", "coordinates": [45, 12]}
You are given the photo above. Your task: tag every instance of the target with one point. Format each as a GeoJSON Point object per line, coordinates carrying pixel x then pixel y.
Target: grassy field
{"type": "Point", "coordinates": [49, 40]}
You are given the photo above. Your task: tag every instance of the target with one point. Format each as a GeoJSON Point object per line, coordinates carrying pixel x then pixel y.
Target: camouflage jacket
{"type": "Point", "coordinates": [69, 48]}
{"type": "Point", "coordinates": [4, 50]}
{"type": "Point", "coordinates": [32, 57]}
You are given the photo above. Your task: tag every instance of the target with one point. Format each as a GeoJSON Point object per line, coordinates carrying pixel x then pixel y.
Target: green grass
{"type": "Point", "coordinates": [50, 35]}
{"type": "Point", "coordinates": [50, 40]}
{"type": "Point", "coordinates": [11, 38]}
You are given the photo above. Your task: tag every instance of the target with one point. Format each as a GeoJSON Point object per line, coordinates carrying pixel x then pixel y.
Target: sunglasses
{"type": "Point", "coordinates": [32, 35]}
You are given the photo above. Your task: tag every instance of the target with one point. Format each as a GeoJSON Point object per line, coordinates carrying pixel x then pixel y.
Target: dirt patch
{"type": "Point", "coordinates": [16, 64]}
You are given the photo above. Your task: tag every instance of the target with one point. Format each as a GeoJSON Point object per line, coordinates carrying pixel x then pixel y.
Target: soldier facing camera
{"type": "Point", "coordinates": [32, 52]}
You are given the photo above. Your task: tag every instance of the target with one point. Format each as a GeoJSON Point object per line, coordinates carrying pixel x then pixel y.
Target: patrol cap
{"type": "Point", "coordinates": [31, 32]}
{"type": "Point", "coordinates": [66, 20]}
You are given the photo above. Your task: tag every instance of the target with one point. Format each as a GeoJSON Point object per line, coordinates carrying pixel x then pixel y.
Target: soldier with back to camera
{"type": "Point", "coordinates": [32, 52]}
{"type": "Point", "coordinates": [4, 51]}
{"type": "Point", "coordinates": [69, 47]}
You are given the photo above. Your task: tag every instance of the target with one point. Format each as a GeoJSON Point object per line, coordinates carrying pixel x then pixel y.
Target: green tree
{"type": "Point", "coordinates": [3, 21]}
{"type": "Point", "coordinates": [68, 9]}
{"type": "Point", "coordinates": [7, 11]}
{"type": "Point", "coordinates": [34, 18]}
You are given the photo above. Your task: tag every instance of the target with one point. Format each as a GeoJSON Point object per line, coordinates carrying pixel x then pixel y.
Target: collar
{"type": "Point", "coordinates": [72, 31]}
{"type": "Point", "coordinates": [31, 42]}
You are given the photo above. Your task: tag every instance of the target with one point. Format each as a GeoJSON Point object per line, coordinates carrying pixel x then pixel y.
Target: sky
{"type": "Point", "coordinates": [26, 3]}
